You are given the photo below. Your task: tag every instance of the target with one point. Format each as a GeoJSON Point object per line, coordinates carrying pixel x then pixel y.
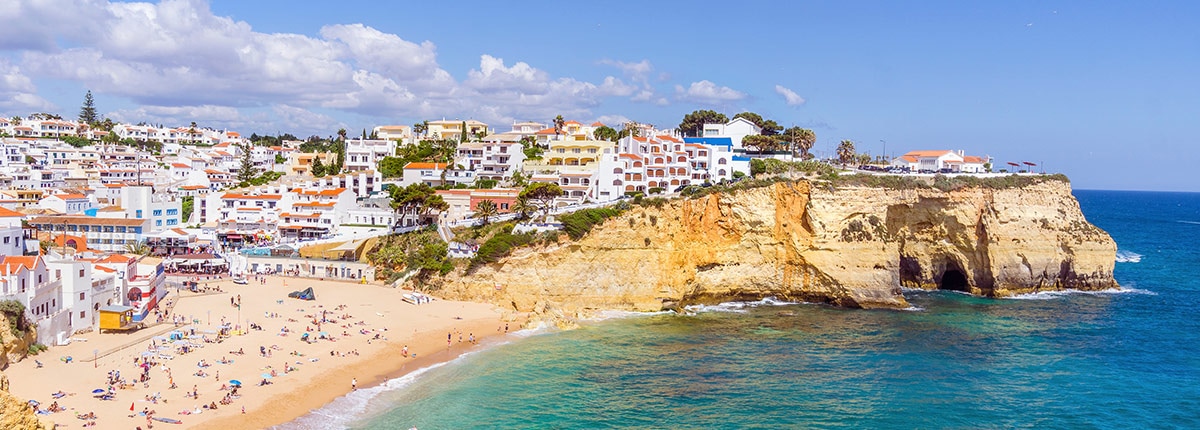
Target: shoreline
{"type": "Point", "coordinates": [304, 400]}
{"type": "Point", "coordinates": [318, 372]}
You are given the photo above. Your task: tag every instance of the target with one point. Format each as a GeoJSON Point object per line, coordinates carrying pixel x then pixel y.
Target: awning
{"type": "Point", "coordinates": [233, 236]}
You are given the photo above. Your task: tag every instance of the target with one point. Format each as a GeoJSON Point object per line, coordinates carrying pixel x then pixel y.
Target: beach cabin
{"type": "Point", "coordinates": [117, 317]}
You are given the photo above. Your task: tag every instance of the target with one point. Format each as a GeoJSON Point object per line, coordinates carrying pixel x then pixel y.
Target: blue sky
{"type": "Point", "coordinates": [1104, 92]}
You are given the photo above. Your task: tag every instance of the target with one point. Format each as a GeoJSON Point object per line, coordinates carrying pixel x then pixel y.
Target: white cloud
{"type": "Point", "coordinates": [18, 95]}
{"type": "Point", "coordinates": [789, 96]}
{"type": "Point", "coordinates": [637, 72]}
{"type": "Point", "coordinates": [707, 92]}
{"type": "Point", "coordinates": [178, 53]}
{"type": "Point", "coordinates": [614, 121]}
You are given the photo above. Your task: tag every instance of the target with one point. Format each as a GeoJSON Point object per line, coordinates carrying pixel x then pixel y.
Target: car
{"type": "Point", "coordinates": [240, 281]}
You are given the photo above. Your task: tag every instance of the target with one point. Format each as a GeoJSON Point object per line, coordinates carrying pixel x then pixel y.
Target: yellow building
{"type": "Point", "coordinates": [452, 129]}
{"type": "Point", "coordinates": [301, 162]}
{"type": "Point", "coordinates": [116, 318]}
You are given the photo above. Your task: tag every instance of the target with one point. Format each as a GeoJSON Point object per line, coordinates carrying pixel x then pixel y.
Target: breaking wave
{"type": "Point", "coordinates": [1050, 295]}
{"type": "Point", "coordinates": [1124, 256]}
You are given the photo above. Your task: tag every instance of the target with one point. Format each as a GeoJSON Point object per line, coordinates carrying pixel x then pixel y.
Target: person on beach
{"type": "Point", "coordinates": [353, 383]}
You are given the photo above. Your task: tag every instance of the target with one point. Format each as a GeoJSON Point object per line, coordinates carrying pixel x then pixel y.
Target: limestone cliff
{"type": "Point", "coordinates": [14, 413]}
{"type": "Point", "coordinates": [802, 241]}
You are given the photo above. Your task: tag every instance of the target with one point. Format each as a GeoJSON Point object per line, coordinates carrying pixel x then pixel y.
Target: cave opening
{"type": "Point", "coordinates": [953, 280]}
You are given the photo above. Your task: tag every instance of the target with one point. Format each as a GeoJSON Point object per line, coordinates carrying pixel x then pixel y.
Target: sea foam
{"type": "Point", "coordinates": [1050, 295]}
{"type": "Point", "coordinates": [351, 407]}
{"type": "Point", "coordinates": [1124, 256]}
{"type": "Point", "coordinates": [739, 307]}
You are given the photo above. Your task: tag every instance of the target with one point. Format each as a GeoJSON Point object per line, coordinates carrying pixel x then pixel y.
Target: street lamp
{"type": "Point", "coordinates": [95, 356]}
{"type": "Point", "coordinates": [885, 156]}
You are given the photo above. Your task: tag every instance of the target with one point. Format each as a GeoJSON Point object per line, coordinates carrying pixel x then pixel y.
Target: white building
{"type": "Point", "coordinates": [735, 130]}
{"type": "Point", "coordinates": [943, 160]}
{"type": "Point", "coordinates": [12, 236]}
{"type": "Point", "coordinates": [363, 155]}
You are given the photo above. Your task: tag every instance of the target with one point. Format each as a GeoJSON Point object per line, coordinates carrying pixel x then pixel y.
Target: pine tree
{"type": "Point", "coordinates": [247, 171]}
{"type": "Point", "coordinates": [318, 168]}
{"type": "Point", "coordinates": [87, 114]}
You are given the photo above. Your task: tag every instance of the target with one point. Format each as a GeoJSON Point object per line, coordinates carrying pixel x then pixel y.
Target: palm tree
{"type": "Point", "coordinates": [485, 209]}
{"type": "Point", "coordinates": [138, 248]}
{"type": "Point", "coordinates": [845, 151]}
{"type": "Point", "coordinates": [802, 139]}
{"type": "Point", "coordinates": [523, 207]}
{"type": "Point", "coordinates": [342, 134]}
{"type": "Point", "coordinates": [420, 128]}
{"type": "Point", "coordinates": [559, 123]}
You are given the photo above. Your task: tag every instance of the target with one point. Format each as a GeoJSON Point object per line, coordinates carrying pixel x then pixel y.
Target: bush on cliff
{"type": "Point", "coordinates": [499, 246]}
{"type": "Point", "coordinates": [577, 224]}
{"type": "Point", "coordinates": [14, 312]}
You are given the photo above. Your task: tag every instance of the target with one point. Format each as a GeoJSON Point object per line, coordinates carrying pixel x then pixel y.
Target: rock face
{"type": "Point", "coordinates": [14, 413]}
{"type": "Point", "coordinates": [802, 241]}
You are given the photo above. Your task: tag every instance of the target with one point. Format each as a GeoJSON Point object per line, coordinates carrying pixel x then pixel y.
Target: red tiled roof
{"type": "Point", "coordinates": [415, 165]}
{"type": "Point", "coordinates": [250, 197]}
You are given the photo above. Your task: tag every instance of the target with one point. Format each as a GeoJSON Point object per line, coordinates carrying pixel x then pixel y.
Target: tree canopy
{"type": "Point", "coordinates": [417, 199]}
{"type": "Point", "coordinates": [605, 132]}
{"type": "Point", "coordinates": [693, 123]}
{"type": "Point", "coordinates": [543, 193]}
{"type": "Point", "coordinates": [769, 126]}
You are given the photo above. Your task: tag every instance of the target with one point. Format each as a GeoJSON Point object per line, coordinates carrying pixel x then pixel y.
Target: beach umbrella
{"type": "Point", "coordinates": [98, 391]}
{"type": "Point", "coordinates": [130, 406]}
{"type": "Point", "coordinates": [235, 382]}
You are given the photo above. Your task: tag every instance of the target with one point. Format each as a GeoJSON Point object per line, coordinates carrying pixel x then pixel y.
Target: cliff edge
{"type": "Point", "coordinates": [15, 413]}
{"type": "Point", "coordinates": [853, 246]}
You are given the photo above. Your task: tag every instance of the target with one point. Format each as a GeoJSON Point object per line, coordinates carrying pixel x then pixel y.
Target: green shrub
{"type": "Point", "coordinates": [577, 224]}
{"type": "Point", "coordinates": [499, 246]}
{"type": "Point", "coordinates": [14, 311]}
{"type": "Point", "coordinates": [656, 190]}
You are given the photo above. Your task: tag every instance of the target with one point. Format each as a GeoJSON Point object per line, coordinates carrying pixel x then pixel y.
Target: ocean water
{"type": "Point", "coordinates": [1109, 360]}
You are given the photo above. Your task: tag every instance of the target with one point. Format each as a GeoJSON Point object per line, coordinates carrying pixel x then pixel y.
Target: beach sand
{"type": "Point", "coordinates": [319, 378]}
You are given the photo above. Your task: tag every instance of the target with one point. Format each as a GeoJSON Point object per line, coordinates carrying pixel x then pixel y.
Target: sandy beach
{"type": "Point", "coordinates": [367, 330]}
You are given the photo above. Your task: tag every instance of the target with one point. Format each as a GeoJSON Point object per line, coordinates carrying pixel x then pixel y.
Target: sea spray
{"type": "Point", "coordinates": [1124, 256]}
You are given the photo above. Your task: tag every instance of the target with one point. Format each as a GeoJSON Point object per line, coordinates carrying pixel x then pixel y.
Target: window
{"type": "Point", "coordinates": [172, 211]}
{"type": "Point", "coordinates": [6, 239]}
{"type": "Point", "coordinates": [139, 213]}
{"type": "Point", "coordinates": [172, 221]}
{"type": "Point", "coordinates": [120, 229]}
{"type": "Point", "coordinates": [82, 314]}
{"type": "Point", "coordinates": [158, 222]}
{"type": "Point", "coordinates": [80, 275]}
{"type": "Point", "coordinates": [57, 274]}
{"type": "Point", "coordinates": [158, 212]}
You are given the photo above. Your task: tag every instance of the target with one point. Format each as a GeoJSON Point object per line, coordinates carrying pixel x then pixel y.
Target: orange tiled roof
{"type": "Point", "coordinates": [415, 165]}
{"type": "Point", "coordinates": [8, 213]}
{"type": "Point", "coordinates": [250, 197]}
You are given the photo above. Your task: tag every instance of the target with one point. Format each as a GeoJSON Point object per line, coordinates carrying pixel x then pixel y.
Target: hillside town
{"type": "Point", "coordinates": [100, 218]}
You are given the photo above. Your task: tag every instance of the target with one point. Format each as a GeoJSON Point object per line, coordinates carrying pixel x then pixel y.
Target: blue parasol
{"type": "Point", "coordinates": [98, 391]}
{"type": "Point", "coordinates": [235, 382]}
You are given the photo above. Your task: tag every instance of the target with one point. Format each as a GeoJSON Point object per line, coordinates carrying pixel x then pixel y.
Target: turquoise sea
{"type": "Point", "coordinates": [1109, 360]}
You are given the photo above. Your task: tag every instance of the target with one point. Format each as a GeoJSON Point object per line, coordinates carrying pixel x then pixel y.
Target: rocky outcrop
{"type": "Point", "coordinates": [802, 241]}
{"type": "Point", "coordinates": [14, 413]}
{"type": "Point", "coordinates": [13, 347]}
